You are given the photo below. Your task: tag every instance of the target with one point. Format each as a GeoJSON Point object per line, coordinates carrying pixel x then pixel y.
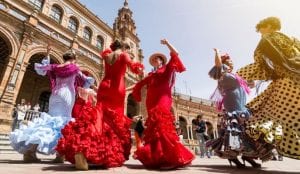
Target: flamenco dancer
{"type": "Point", "coordinates": [276, 111]}
{"type": "Point", "coordinates": [42, 134]}
{"type": "Point", "coordinates": [162, 148]}
{"type": "Point", "coordinates": [231, 97]}
{"type": "Point", "coordinates": [101, 134]}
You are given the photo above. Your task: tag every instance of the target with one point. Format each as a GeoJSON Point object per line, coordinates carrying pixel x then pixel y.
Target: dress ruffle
{"type": "Point", "coordinates": [215, 72]}
{"type": "Point", "coordinates": [176, 63]}
{"type": "Point", "coordinates": [136, 67]}
{"type": "Point", "coordinates": [269, 130]}
{"type": "Point", "coordinates": [238, 137]}
{"type": "Point", "coordinates": [162, 148]}
{"type": "Point", "coordinates": [101, 134]}
{"type": "Point", "coordinates": [106, 52]}
{"type": "Point", "coordinates": [43, 131]}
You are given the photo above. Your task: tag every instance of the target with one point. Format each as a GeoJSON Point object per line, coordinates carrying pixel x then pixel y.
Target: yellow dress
{"type": "Point", "coordinates": [276, 111]}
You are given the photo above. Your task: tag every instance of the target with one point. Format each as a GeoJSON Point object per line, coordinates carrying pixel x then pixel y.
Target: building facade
{"type": "Point", "coordinates": [28, 26]}
{"type": "Point", "coordinates": [186, 108]}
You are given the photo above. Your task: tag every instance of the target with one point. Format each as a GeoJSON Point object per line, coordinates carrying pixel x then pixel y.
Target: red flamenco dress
{"type": "Point", "coordinates": [85, 98]}
{"type": "Point", "coordinates": [102, 133]}
{"type": "Point", "coordinates": [162, 148]}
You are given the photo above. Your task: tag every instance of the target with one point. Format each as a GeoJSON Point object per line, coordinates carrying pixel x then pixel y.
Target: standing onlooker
{"type": "Point", "coordinates": [200, 128]}
{"type": "Point", "coordinates": [138, 130]}
{"type": "Point", "coordinates": [180, 135]}
{"type": "Point", "coordinates": [18, 113]}
{"type": "Point", "coordinates": [28, 106]}
{"type": "Point", "coordinates": [36, 107]}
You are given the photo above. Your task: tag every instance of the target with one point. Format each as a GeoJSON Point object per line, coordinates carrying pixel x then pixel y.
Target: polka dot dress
{"type": "Point", "coordinates": [276, 111]}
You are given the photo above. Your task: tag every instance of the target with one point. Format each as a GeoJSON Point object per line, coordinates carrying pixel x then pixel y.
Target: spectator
{"type": "Point", "coordinates": [19, 114]}
{"type": "Point", "coordinates": [36, 107]}
{"type": "Point", "coordinates": [200, 128]}
{"type": "Point", "coordinates": [138, 130]}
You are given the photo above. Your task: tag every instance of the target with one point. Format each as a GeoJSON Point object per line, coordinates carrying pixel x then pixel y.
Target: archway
{"type": "Point", "coordinates": [183, 127]}
{"type": "Point", "coordinates": [35, 89]}
{"type": "Point", "coordinates": [132, 107]}
{"type": "Point", "coordinates": [5, 51]}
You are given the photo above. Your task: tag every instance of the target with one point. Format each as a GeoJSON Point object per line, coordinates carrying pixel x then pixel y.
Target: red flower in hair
{"type": "Point", "coordinates": [225, 57]}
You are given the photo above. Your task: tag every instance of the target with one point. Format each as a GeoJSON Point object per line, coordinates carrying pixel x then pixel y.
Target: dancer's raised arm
{"type": "Point", "coordinates": [218, 61]}
{"type": "Point", "coordinates": [170, 46]}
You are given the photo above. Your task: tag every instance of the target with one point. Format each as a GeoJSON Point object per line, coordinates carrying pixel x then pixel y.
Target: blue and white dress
{"type": "Point", "coordinates": [230, 95]}
{"type": "Point", "coordinates": [46, 130]}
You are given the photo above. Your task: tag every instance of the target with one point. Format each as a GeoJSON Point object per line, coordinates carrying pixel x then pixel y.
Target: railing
{"type": "Point", "coordinates": [21, 117]}
{"type": "Point", "coordinates": [31, 114]}
{"type": "Point", "coordinates": [26, 116]}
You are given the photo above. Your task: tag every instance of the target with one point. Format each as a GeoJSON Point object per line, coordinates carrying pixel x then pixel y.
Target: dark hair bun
{"type": "Point", "coordinates": [115, 45]}
{"type": "Point", "coordinates": [69, 55]}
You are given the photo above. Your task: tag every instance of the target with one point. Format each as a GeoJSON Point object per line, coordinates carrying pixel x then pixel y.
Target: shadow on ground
{"type": "Point", "coordinates": [233, 170]}
{"type": "Point", "coordinates": [141, 167]}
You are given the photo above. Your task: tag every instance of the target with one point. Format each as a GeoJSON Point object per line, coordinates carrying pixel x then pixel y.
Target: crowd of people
{"type": "Point", "coordinates": [86, 125]}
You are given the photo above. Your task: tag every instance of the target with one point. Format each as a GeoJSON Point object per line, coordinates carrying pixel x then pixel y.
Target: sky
{"type": "Point", "coordinates": [195, 27]}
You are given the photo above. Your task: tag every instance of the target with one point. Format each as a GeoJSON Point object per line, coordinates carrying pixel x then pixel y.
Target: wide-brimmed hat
{"type": "Point", "coordinates": [160, 55]}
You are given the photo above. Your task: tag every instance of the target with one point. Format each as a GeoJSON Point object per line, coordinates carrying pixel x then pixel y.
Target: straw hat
{"type": "Point", "coordinates": [160, 55]}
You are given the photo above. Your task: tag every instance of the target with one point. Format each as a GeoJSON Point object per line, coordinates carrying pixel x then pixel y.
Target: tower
{"type": "Point", "coordinates": [124, 23]}
{"type": "Point", "coordinates": [124, 28]}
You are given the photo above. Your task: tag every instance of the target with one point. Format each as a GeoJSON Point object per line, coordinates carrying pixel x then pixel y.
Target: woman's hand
{"type": "Point", "coordinates": [218, 61]}
{"type": "Point", "coordinates": [164, 42]}
{"type": "Point", "coordinates": [217, 51]}
{"type": "Point", "coordinates": [171, 47]}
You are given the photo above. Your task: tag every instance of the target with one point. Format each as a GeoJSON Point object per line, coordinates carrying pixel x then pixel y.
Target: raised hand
{"type": "Point", "coordinates": [216, 50]}
{"type": "Point", "coordinates": [164, 42]}
{"type": "Point", "coordinates": [170, 46]}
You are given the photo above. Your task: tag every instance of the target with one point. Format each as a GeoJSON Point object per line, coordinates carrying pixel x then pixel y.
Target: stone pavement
{"type": "Point", "coordinates": [12, 164]}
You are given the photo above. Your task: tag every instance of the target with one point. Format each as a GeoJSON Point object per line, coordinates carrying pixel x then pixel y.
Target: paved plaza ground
{"type": "Point", "coordinates": [12, 164]}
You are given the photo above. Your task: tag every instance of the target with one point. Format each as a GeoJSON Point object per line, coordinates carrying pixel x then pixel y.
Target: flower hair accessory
{"type": "Point", "coordinates": [225, 57]}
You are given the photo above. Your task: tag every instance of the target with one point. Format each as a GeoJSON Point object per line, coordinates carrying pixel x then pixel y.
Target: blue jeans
{"type": "Point", "coordinates": [202, 146]}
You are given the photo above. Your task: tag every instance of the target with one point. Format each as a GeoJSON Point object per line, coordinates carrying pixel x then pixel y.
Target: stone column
{"type": "Point", "coordinates": [9, 67]}
{"type": "Point", "coordinates": [14, 73]}
{"type": "Point", "coordinates": [188, 132]}
{"type": "Point", "coordinates": [192, 136]}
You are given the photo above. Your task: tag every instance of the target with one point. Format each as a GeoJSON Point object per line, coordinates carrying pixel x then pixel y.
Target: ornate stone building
{"type": "Point", "coordinates": [27, 26]}
{"type": "Point", "coordinates": [186, 108]}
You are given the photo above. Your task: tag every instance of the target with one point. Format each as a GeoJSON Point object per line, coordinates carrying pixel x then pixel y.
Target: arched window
{"type": "Point", "coordinates": [73, 24]}
{"type": "Point", "coordinates": [38, 4]}
{"type": "Point", "coordinates": [87, 34]}
{"type": "Point", "coordinates": [100, 42]}
{"type": "Point", "coordinates": [56, 13]}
